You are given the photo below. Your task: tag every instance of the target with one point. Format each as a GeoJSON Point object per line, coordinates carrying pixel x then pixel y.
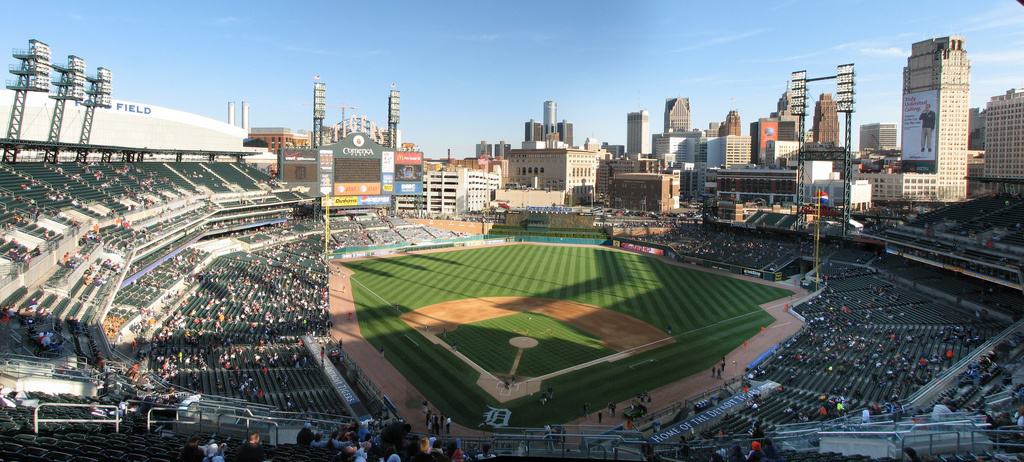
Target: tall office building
{"type": "Point", "coordinates": [638, 133]}
{"type": "Point", "coordinates": [534, 131]}
{"type": "Point", "coordinates": [677, 115]}
{"type": "Point", "coordinates": [782, 107]}
{"type": "Point", "coordinates": [731, 126]}
{"type": "Point", "coordinates": [826, 120]}
{"type": "Point", "coordinates": [936, 89]}
{"type": "Point", "coordinates": [712, 130]}
{"type": "Point", "coordinates": [877, 137]}
{"type": "Point", "coordinates": [1004, 130]}
{"type": "Point", "coordinates": [484, 149]}
{"type": "Point", "coordinates": [565, 132]}
{"type": "Point", "coordinates": [976, 130]}
{"type": "Point", "coordinates": [550, 117]}
{"type": "Point", "coordinates": [501, 148]}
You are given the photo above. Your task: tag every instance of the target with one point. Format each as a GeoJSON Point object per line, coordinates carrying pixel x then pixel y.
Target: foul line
{"type": "Point", "coordinates": [353, 279]}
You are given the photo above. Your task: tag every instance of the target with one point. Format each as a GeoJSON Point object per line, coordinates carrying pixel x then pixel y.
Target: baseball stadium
{"type": "Point", "coordinates": [169, 303]}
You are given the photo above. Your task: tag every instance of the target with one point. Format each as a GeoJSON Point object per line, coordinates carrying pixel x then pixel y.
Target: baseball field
{"type": "Point", "coordinates": [494, 326]}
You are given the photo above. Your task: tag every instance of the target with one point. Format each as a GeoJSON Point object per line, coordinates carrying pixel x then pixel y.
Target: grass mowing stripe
{"type": "Point", "coordinates": [649, 290]}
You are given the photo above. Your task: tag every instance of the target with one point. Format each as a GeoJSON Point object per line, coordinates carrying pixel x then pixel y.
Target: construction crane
{"type": "Point", "coordinates": [344, 107]}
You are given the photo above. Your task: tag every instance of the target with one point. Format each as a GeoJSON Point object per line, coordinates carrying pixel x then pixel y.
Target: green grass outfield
{"type": "Point", "coordinates": [558, 345]}
{"type": "Point", "coordinates": [710, 315]}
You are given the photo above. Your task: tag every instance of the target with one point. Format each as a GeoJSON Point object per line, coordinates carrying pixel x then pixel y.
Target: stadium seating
{"type": "Point", "coordinates": [866, 342]}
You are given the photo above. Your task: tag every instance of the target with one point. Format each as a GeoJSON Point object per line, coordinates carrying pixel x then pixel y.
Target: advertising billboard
{"type": "Point", "coordinates": [408, 173]}
{"type": "Point", "coordinates": [357, 201]}
{"type": "Point", "coordinates": [358, 167]}
{"type": "Point", "coordinates": [297, 165]}
{"type": "Point", "coordinates": [768, 131]}
{"type": "Point", "coordinates": [326, 171]}
{"type": "Point", "coordinates": [920, 131]}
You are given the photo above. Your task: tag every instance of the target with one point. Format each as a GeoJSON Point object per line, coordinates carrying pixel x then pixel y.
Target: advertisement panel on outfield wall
{"type": "Point", "coordinates": [920, 131]}
{"type": "Point", "coordinates": [357, 201]}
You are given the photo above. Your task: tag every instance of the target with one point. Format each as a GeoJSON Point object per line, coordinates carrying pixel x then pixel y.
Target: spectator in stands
{"type": "Point", "coordinates": [251, 451]}
{"type": "Point", "coordinates": [422, 451]}
{"type": "Point", "coordinates": [192, 452]}
{"type": "Point", "coordinates": [768, 448]}
{"type": "Point", "coordinates": [214, 453]}
{"type": "Point", "coordinates": [755, 454]}
{"type": "Point", "coordinates": [305, 436]}
{"type": "Point", "coordinates": [394, 434]}
{"type": "Point", "coordinates": [736, 454]}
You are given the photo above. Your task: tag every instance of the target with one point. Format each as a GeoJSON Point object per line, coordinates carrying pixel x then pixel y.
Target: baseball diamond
{"type": "Point", "coordinates": [445, 320]}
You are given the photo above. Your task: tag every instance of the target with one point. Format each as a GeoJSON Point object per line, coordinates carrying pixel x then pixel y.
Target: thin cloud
{"type": "Point", "coordinates": [1006, 15]}
{"type": "Point", "coordinates": [225, 20]}
{"type": "Point", "coordinates": [1001, 81]}
{"type": "Point", "coordinates": [480, 38]}
{"type": "Point", "coordinates": [722, 40]}
{"type": "Point", "coordinates": [893, 52]}
{"type": "Point", "coordinates": [784, 59]}
{"type": "Point", "coordinates": [1015, 56]}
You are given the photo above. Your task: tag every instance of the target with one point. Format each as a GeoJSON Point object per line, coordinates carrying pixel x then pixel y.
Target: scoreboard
{"type": "Point", "coordinates": [355, 167]}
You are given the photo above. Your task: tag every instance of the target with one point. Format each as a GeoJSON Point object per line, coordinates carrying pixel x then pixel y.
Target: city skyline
{"type": "Point", "coordinates": [223, 52]}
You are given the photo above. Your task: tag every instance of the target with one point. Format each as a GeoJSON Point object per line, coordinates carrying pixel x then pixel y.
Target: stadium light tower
{"type": "Point", "coordinates": [798, 107]}
{"type": "Point", "coordinates": [97, 95]}
{"type": "Point", "coordinates": [70, 86]}
{"type": "Point", "coordinates": [393, 107]}
{"type": "Point", "coordinates": [844, 103]}
{"type": "Point", "coordinates": [319, 111]}
{"type": "Point", "coordinates": [32, 74]}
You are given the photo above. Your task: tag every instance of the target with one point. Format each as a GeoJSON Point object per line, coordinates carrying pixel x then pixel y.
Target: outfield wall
{"type": "Point", "coordinates": [664, 250]}
{"type": "Point", "coordinates": [468, 227]}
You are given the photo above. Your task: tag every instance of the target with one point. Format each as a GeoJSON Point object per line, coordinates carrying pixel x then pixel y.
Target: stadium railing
{"type": "Point", "coordinates": [116, 420]}
{"type": "Point", "coordinates": [950, 375]}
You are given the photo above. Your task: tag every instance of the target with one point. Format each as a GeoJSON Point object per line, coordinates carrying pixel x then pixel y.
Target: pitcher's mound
{"type": "Point", "coordinates": [522, 342]}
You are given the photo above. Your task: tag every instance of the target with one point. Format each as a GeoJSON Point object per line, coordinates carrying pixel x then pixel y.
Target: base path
{"type": "Point", "coordinates": [616, 331]}
{"type": "Point", "coordinates": [408, 399]}
{"type": "Point", "coordinates": [783, 327]}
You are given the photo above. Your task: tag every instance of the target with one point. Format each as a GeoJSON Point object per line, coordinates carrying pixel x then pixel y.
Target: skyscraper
{"type": "Point", "coordinates": [826, 120]}
{"type": "Point", "coordinates": [712, 130]}
{"type": "Point", "coordinates": [565, 132]}
{"type": "Point", "coordinates": [936, 87]}
{"type": "Point", "coordinates": [677, 115]}
{"type": "Point", "coordinates": [782, 107]}
{"type": "Point", "coordinates": [534, 131]}
{"type": "Point", "coordinates": [731, 126]}
{"type": "Point", "coordinates": [876, 137]}
{"type": "Point", "coordinates": [976, 130]}
{"type": "Point", "coordinates": [484, 149]}
{"type": "Point", "coordinates": [550, 117]}
{"type": "Point", "coordinates": [1004, 130]}
{"type": "Point", "coordinates": [638, 133]}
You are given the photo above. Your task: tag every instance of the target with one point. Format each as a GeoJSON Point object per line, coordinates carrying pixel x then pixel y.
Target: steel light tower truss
{"type": "Point", "coordinates": [70, 86]}
{"type": "Point", "coordinates": [393, 109]}
{"type": "Point", "coordinates": [98, 95]}
{"type": "Point", "coordinates": [319, 112]}
{"type": "Point", "coordinates": [31, 74]}
{"type": "Point", "coordinates": [844, 78]}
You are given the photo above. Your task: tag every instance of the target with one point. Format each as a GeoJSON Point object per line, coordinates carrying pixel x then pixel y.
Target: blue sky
{"type": "Point", "coordinates": [472, 70]}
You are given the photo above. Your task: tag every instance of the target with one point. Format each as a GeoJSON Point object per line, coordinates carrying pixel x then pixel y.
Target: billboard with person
{"type": "Point", "coordinates": [920, 131]}
{"type": "Point", "coordinates": [768, 131]}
